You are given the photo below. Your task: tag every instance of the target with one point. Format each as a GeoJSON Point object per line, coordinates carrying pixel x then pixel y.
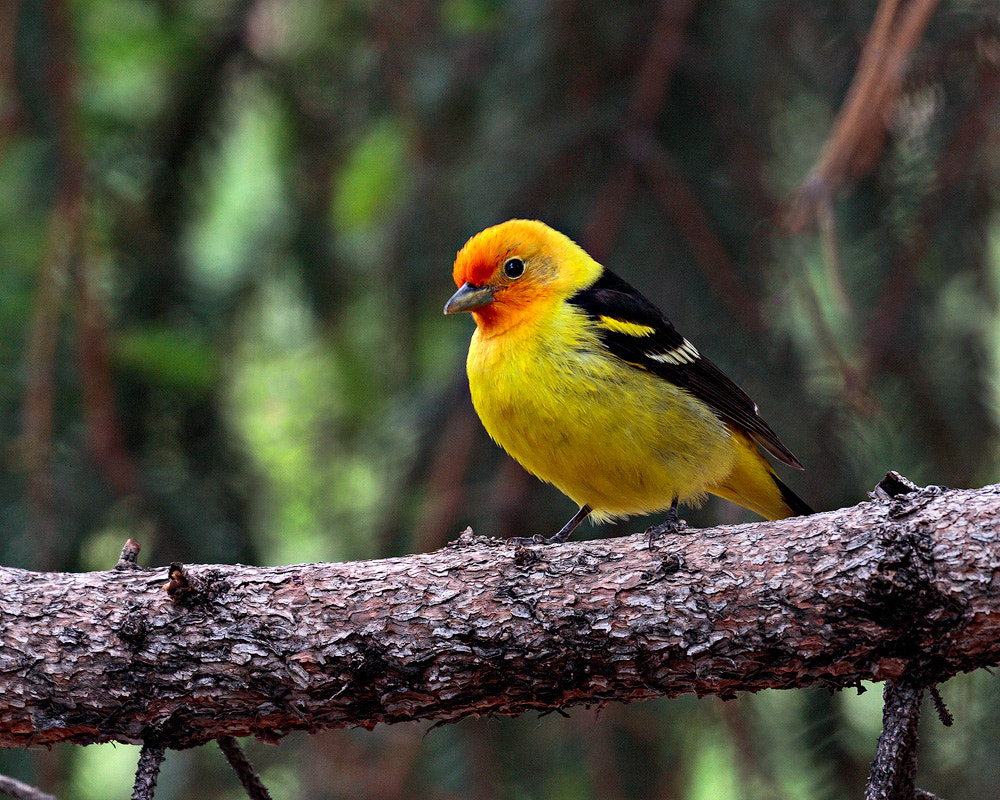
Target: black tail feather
{"type": "Point", "coordinates": [793, 501]}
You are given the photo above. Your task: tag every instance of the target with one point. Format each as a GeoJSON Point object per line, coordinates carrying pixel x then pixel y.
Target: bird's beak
{"type": "Point", "coordinates": [469, 298]}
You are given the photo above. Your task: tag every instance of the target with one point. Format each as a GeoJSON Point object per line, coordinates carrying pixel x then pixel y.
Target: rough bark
{"type": "Point", "coordinates": [905, 585]}
{"type": "Point", "coordinates": [895, 766]}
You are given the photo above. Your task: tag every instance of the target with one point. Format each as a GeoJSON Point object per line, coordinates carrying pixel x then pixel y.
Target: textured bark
{"type": "Point", "coordinates": [148, 771]}
{"type": "Point", "coordinates": [895, 766]}
{"type": "Point", "coordinates": [890, 587]}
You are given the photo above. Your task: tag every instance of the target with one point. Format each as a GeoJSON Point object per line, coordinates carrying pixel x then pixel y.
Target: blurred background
{"type": "Point", "coordinates": [226, 237]}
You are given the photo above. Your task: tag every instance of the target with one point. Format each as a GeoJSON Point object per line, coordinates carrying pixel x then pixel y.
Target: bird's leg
{"type": "Point", "coordinates": [670, 525]}
{"type": "Point", "coordinates": [559, 537]}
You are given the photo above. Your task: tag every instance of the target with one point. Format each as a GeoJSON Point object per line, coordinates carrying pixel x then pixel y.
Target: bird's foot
{"type": "Point", "coordinates": [559, 537]}
{"type": "Point", "coordinates": [538, 539]}
{"type": "Point", "coordinates": [672, 525]}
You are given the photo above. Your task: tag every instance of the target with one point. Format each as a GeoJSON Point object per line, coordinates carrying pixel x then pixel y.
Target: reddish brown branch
{"type": "Point", "coordinates": [105, 440]}
{"type": "Point", "coordinates": [483, 627]}
{"type": "Point", "coordinates": [66, 262]}
{"type": "Point", "coordinates": [64, 247]}
{"type": "Point", "coordinates": [858, 134]}
{"type": "Point", "coordinates": [38, 408]}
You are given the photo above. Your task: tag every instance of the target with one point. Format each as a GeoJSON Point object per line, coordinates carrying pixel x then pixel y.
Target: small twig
{"type": "Point", "coordinates": [831, 246]}
{"type": "Point", "coordinates": [243, 768]}
{"type": "Point", "coordinates": [810, 297]}
{"type": "Point", "coordinates": [893, 485]}
{"type": "Point", "coordinates": [15, 788]}
{"type": "Point", "coordinates": [946, 717]}
{"type": "Point", "coordinates": [129, 557]}
{"type": "Point", "coordinates": [147, 771]}
{"type": "Point", "coordinates": [895, 765]}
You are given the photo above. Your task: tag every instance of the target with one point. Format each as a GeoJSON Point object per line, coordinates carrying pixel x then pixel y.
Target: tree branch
{"type": "Point", "coordinates": [22, 791]}
{"type": "Point", "coordinates": [244, 770]}
{"type": "Point", "coordinates": [147, 772]}
{"type": "Point", "coordinates": [905, 583]}
{"type": "Point", "coordinates": [858, 133]}
{"type": "Point", "coordinates": [895, 764]}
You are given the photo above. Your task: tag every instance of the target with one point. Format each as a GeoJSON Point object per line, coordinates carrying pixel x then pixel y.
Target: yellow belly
{"type": "Point", "coordinates": [621, 446]}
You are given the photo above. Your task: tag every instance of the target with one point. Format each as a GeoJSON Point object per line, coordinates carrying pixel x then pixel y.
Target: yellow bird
{"type": "Point", "coordinates": [585, 383]}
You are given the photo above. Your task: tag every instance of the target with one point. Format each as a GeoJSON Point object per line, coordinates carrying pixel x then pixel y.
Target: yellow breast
{"type": "Point", "coordinates": [608, 435]}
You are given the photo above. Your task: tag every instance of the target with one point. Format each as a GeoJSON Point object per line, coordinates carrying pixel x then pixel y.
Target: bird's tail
{"type": "Point", "coordinates": [794, 504]}
{"type": "Point", "coordinates": [753, 484]}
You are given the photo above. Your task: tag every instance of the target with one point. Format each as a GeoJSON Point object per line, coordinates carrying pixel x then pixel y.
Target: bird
{"type": "Point", "coordinates": [587, 385]}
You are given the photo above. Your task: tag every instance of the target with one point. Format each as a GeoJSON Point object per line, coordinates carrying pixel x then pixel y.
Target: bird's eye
{"type": "Point", "coordinates": [513, 268]}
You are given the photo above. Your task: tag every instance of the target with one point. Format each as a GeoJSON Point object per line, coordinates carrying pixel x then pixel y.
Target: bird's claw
{"type": "Point", "coordinates": [536, 539]}
{"type": "Point", "coordinates": [670, 526]}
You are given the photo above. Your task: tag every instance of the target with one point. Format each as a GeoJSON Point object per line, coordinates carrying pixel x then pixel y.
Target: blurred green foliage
{"type": "Point", "coordinates": [239, 218]}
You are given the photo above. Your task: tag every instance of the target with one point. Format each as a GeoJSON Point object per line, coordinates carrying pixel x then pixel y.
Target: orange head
{"type": "Point", "coordinates": [515, 270]}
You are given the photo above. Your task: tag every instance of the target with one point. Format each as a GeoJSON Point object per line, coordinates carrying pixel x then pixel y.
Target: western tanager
{"type": "Point", "coordinates": [585, 383]}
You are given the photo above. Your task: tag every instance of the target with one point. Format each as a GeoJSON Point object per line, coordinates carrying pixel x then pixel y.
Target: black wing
{"type": "Point", "coordinates": [635, 330]}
